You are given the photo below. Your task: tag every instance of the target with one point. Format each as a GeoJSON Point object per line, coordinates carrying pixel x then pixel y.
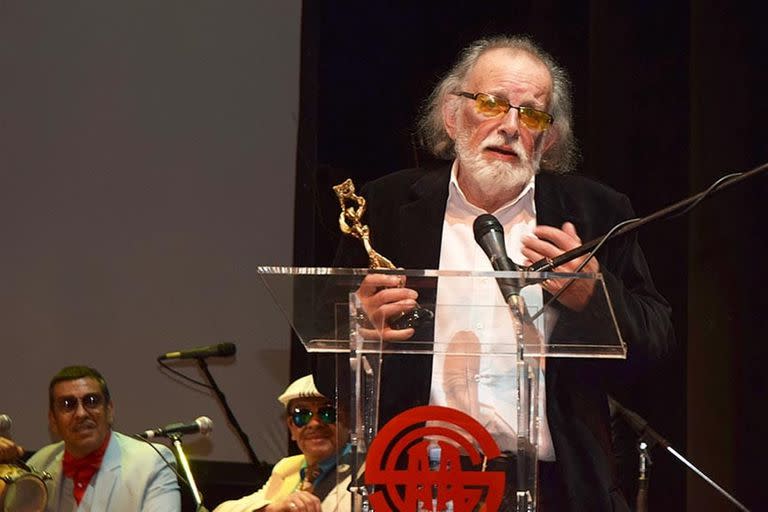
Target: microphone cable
{"type": "Point", "coordinates": [581, 265]}
{"type": "Point", "coordinates": [673, 213]}
{"type": "Point", "coordinates": [710, 190]}
{"type": "Point", "coordinates": [244, 439]}
{"type": "Point", "coordinates": [183, 376]}
{"type": "Point", "coordinates": [169, 464]}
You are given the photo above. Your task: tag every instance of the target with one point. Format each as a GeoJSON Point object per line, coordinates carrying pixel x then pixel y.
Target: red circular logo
{"type": "Point", "coordinates": [398, 463]}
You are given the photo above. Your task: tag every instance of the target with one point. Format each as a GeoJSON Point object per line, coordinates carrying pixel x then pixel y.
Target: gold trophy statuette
{"type": "Point", "coordinates": [352, 211]}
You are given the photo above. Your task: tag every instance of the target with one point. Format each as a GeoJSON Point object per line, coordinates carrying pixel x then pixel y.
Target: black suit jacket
{"type": "Point", "coordinates": [405, 213]}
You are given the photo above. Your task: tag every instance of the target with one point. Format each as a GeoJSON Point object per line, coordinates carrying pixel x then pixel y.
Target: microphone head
{"type": "Point", "coordinates": [205, 423]}
{"type": "Point", "coordinates": [225, 350]}
{"type": "Point", "coordinates": [489, 235]}
{"type": "Point", "coordinates": [484, 224]}
{"type": "Point", "coordinates": [221, 350]}
{"type": "Point", "coordinates": [5, 423]}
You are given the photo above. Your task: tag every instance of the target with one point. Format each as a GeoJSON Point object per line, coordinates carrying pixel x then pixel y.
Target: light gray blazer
{"type": "Point", "coordinates": [132, 477]}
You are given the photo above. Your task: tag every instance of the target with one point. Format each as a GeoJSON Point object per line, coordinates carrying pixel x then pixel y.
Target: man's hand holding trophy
{"type": "Point", "coordinates": [391, 309]}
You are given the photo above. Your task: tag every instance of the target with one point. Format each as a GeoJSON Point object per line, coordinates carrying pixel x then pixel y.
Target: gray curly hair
{"type": "Point", "coordinates": [560, 157]}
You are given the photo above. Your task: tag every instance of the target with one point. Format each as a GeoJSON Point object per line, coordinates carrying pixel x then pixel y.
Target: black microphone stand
{"type": "Point", "coordinates": [648, 438]}
{"type": "Point", "coordinates": [526, 456]}
{"type": "Point", "coordinates": [643, 477]}
{"type": "Point", "coordinates": [547, 264]}
{"type": "Point", "coordinates": [182, 458]}
{"type": "Point", "coordinates": [230, 415]}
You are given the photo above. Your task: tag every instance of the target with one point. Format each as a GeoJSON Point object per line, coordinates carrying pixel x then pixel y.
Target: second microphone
{"type": "Point", "coordinates": [202, 425]}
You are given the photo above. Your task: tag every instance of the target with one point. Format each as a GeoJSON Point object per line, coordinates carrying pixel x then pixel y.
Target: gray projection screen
{"type": "Point", "coordinates": [147, 155]}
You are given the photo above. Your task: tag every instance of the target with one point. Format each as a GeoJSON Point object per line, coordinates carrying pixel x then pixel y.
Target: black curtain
{"type": "Point", "coordinates": [668, 97]}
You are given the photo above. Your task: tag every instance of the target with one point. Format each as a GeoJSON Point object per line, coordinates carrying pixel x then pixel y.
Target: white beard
{"type": "Point", "coordinates": [495, 179]}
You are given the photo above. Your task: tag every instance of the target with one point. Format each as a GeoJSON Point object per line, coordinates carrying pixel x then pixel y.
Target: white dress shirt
{"type": "Point", "coordinates": [484, 387]}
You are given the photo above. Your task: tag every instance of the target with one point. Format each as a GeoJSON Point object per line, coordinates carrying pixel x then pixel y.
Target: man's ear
{"type": "Point", "coordinates": [450, 113]}
{"type": "Point", "coordinates": [550, 137]}
{"type": "Point", "coordinates": [110, 413]}
{"type": "Point", "coordinates": [52, 424]}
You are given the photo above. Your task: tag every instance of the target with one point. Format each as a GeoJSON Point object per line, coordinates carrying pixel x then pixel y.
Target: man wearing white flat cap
{"type": "Point", "coordinates": [306, 482]}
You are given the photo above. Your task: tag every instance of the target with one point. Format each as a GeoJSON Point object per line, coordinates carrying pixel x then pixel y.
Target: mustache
{"type": "Point", "coordinates": [315, 430]}
{"type": "Point", "coordinates": [85, 424]}
{"type": "Point", "coordinates": [498, 140]}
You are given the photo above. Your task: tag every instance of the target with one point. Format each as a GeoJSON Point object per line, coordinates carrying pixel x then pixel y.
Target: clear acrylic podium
{"type": "Point", "coordinates": [415, 451]}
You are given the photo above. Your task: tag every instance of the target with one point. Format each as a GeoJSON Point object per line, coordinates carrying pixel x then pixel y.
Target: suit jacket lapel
{"type": "Point", "coordinates": [555, 204]}
{"type": "Point", "coordinates": [333, 488]}
{"type": "Point", "coordinates": [54, 484]}
{"type": "Point", "coordinates": [107, 475]}
{"type": "Point", "coordinates": [420, 241]}
{"type": "Point", "coordinates": [549, 206]}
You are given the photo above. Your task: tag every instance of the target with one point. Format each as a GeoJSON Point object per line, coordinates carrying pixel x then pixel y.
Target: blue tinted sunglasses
{"type": "Point", "coordinates": [301, 416]}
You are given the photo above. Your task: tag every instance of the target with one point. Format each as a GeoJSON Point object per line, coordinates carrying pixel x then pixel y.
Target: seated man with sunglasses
{"type": "Point", "coordinates": [315, 480]}
{"type": "Point", "coordinates": [94, 467]}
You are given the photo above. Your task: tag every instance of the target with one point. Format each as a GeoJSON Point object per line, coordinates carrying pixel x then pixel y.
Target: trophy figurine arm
{"type": "Point", "coordinates": [350, 222]}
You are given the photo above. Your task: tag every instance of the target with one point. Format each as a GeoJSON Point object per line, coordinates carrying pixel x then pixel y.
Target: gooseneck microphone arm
{"type": "Point", "coordinates": [489, 235]}
{"type": "Point", "coordinates": [652, 438]}
{"type": "Point", "coordinates": [230, 415]}
{"type": "Point", "coordinates": [547, 264]}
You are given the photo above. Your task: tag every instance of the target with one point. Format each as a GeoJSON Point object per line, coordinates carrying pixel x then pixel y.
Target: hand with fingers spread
{"type": "Point", "coordinates": [297, 501]}
{"type": "Point", "coordinates": [385, 298]}
{"type": "Point", "coordinates": [550, 242]}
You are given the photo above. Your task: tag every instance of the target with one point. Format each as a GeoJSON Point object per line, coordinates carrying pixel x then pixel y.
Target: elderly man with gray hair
{"type": "Point", "coordinates": [500, 119]}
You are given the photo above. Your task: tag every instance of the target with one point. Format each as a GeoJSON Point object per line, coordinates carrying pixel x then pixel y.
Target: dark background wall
{"type": "Point", "coordinates": [668, 97]}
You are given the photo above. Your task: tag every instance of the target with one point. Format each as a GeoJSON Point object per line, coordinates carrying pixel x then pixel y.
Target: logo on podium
{"type": "Point", "coordinates": [423, 459]}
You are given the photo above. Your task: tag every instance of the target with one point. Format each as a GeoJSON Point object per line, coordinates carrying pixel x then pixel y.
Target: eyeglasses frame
{"type": "Point", "coordinates": [507, 106]}
{"type": "Point", "coordinates": [313, 413]}
{"type": "Point", "coordinates": [58, 403]}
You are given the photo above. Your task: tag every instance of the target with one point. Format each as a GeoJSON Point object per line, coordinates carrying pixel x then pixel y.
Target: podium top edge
{"type": "Point", "coordinates": [341, 271]}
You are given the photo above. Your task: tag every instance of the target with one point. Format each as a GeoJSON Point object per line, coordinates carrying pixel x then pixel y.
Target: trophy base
{"type": "Point", "coordinates": [419, 317]}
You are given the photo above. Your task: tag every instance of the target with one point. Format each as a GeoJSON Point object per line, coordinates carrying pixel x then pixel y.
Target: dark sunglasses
{"type": "Point", "coordinates": [90, 402]}
{"type": "Point", "coordinates": [301, 416]}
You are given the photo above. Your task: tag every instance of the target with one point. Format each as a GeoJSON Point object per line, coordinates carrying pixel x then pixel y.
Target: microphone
{"type": "Point", "coordinates": [5, 423]}
{"type": "Point", "coordinates": [202, 425]}
{"type": "Point", "coordinates": [220, 350]}
{"type": "Point", "coordinates": [638, 424]}
{"type": "Point", "coordinates": [650, 437]}
{"type": "Point", "coordinates": [489, 235]}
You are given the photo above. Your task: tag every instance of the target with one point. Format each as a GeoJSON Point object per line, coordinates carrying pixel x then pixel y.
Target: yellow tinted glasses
{"type": "Point", "coordinates": [492, 106]}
